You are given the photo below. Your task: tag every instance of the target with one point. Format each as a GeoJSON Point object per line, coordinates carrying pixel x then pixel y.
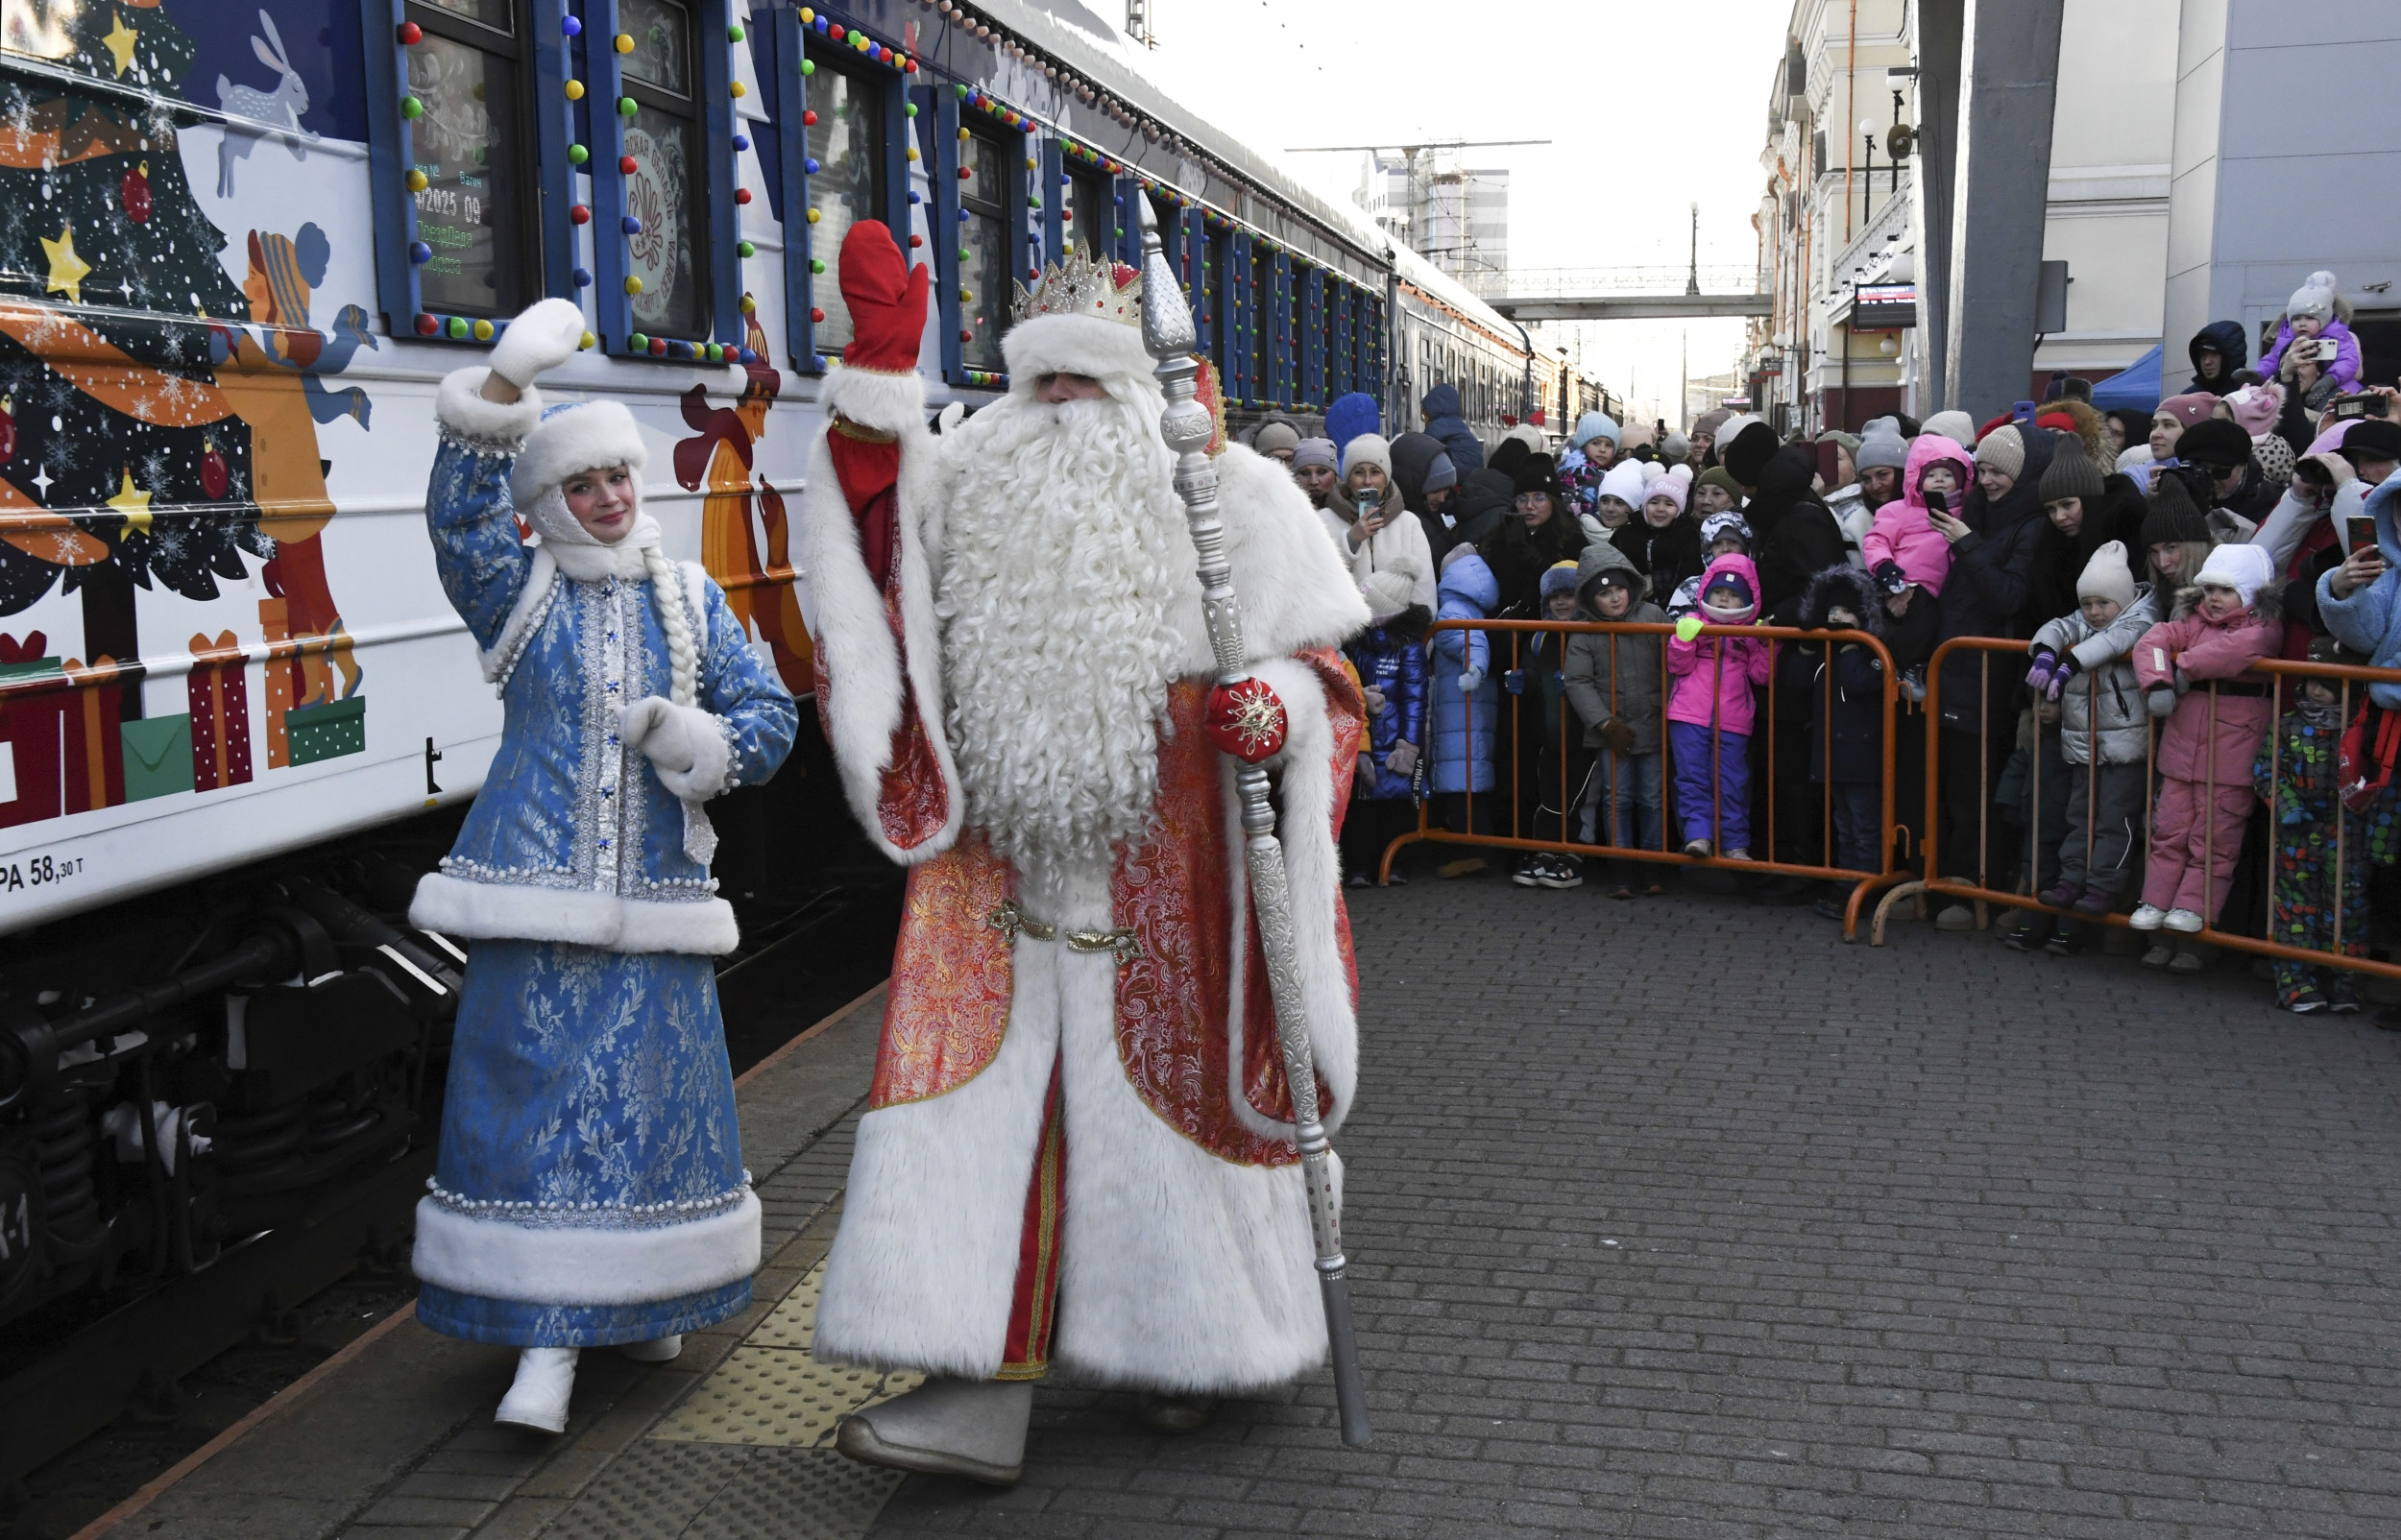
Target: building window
{"type": "Point", "coordinates": [984, 271]}
{"type": "Point", "coordinates": [479, 210]}
{"type": "Point", "coordinates": [1091, 216]}
{"type": "Point", "coordinates": [845, 184]}
{"type": "Point", "coordinates": [668, 193]}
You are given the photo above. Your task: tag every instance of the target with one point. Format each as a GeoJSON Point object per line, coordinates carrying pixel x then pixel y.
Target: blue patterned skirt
{"type": "Point", "coordinates": [590, 1113]}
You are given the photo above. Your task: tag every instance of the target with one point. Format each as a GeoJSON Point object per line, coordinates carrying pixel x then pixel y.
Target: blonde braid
{"type": "Point", "coordinates": [667, 594]}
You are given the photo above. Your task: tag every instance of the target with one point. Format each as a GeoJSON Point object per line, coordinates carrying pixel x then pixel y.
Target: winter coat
{"type": "Point", "coordinates": [1615, 675]}
{"type": "Point", "coordinates": [2369, 620]}
{"type": "Point", "coordinates": [2343, 372]}
{"type": "Point", "coordinates": [1391, 658]}
{"type": "Point", "coordinates": [1444, 422]}
{"type": "Point", "coordinates": [1582, 481]}
{"type": "Point", "coordinates": [2104, 677]}
{"type": "Point", "coordinates": [1849, 506]}
{"type": "Point", "coordinates": [1991, 579]}
{"type": "Point", "coordinates": [1413, 456]}
{"type": "Point", "coordinates": [1518, 557]}
{"type": "Point", "coordinates": [2234, 351]}
{"type": "Point", "coordinates": [2201, 740]}
{"type": "Point", "coordinates": [1715, 674]}
{"type": "Point", "coordinates": [1667, 557]}
{"type": "Point", "coordinates": [1460, 726]}
{"type": "Point", "coordinates": [1846, 695]}
{"type": "Point", "coordinates": [1794, 536]}
{"type": "Point", "coordinates": [1400, 541]}
{"type": "Point", "coordinates": [1903, 532]}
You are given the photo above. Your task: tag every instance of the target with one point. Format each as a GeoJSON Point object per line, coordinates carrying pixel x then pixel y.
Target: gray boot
{"type": "Point", "coordinates": [970, 1428]}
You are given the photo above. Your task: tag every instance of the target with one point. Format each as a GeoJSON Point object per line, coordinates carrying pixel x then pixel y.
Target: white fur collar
{"type": "Point", "coordinates": [1294, 589]}
{"type": "Point", "coordinates": [591, 563]}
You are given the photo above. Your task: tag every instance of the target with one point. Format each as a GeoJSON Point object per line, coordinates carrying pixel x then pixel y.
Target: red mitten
{"type": "Point", "coordinates": [1246, 720]}
{"type": "Point", "coordinates": [886, 299]}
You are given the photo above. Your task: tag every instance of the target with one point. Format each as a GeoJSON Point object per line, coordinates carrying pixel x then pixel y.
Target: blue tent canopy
{"type": "Point", "coordinates": [2135, 387]}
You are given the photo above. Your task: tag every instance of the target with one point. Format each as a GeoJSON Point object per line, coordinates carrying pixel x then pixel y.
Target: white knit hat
{"type": "Point", "coordinates": [2244, 569]}
{"type": "Point", "coordinates": [2106, 576]}
{"type": "Point", "coordinates": [1388, 591]}
{"type": "Point", "coordinates": [1368, 449]}
{"type": "Point", "coordinates": [1625, 482]}
{"type": "Point", "coordinates": [2314, 298]}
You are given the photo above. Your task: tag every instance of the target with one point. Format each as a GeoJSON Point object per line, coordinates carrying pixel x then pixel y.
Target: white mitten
{"type": "Point", "coordinates": [685, 745]}
{"type": "Point", "coordinates": [546, 335]}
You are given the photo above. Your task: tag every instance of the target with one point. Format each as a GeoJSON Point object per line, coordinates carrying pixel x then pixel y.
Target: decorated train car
{"type": "Point", "coordinates": [241, 241]}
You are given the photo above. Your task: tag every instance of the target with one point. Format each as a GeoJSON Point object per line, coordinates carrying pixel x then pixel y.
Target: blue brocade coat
{"type": "Point", "coordinates": [590, 1188]}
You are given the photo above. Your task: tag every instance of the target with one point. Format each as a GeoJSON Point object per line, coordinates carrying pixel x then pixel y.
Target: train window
{"type": "Point", "coordinates": [1262, 282]}
{"type": "Point", "coordinates": [985, 250]}
{"type": "Point", "coordinates": [1091, 216]}
{"type": "Point", "coordinates": [668, 194]}
{"type": "Point", "coordinates": [1215, 312]}
{"type": "Point", "coordinates": [473, 146]}
{"type": "Point", "coordinates": [845, 184]}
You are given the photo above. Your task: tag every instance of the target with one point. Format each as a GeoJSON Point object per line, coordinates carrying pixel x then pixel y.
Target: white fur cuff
{"type": "Point", "coordinates": [888, 403]}
{"type": "Point", "coordinates": [545, 1264]}
{"type": "Point", "coordinates": [703, 927]}
{"type": "Point", "coordinates": [703, 737]}
{"type": "Point", "coordinates": [496, 425]}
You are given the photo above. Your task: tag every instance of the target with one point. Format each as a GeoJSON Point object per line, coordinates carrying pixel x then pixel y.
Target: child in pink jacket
{"type": "Point", "coordinates": [2230, 621]}
{"type": "Point", "coordinates": [1902, 536]}
{"type": "Point", "coordinates": [1710, 709]}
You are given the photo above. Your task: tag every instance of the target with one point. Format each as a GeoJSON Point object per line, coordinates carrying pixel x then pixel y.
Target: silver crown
{"type": "Point", "coordinates": [1079, 287]}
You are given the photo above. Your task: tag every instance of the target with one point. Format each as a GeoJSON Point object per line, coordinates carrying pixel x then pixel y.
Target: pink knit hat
{"type": "Point", "coordinates": [2200, 406]}
{"type": "Point", "coordinates": [2256, 407]}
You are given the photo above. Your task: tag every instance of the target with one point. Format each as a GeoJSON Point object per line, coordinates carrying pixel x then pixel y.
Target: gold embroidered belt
{"type": "Point", "coordinates": [1012, 922]}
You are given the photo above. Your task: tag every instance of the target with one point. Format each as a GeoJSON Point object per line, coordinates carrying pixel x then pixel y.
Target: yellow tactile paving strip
{"type": "Point", "coordinates": [770, 1393]}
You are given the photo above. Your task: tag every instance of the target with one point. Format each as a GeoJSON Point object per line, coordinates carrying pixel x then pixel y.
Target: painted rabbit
{"type": "Point", "coordinates": [281, 108]}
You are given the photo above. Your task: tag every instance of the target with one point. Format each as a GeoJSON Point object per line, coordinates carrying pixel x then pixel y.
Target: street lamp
{"type": "Point", "coordinates": [1867, 179]}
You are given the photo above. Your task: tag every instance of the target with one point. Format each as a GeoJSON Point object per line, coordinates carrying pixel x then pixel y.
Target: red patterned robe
{"type": "Point", "coordinates": [1081, 1157]}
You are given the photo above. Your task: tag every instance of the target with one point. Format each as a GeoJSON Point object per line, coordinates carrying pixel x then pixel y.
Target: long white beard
{"type": "Point", "coordinates": [1064, 550]}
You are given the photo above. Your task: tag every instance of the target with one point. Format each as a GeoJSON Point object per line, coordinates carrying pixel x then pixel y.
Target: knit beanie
{"type": "Point", "coordinates": [1717, 526]}
{"type": "Point", "coordinates": [1625, 482]}
{"type": "Point", "coordinates": [2173, 516]}
{"type": "Point", "coordinates": [2218, 442]}
{"type": "Point", "coordinates": [1729, 583]}
{"type": "Point", "coordinates": [1849, 441]}
{"type": "Point", "coordinates": [1709, 423]}
{"type": "Point", "coordinates": [1666, 484]}
{"type": "Point", "coordinates": [2256, 407]}
{"type": "Point", "coordinates": [1882, 445]}
{"type": "Point", "coordinates": [1441, 474]}
{"type": "Point", "coordinates": [2004, 450]}
{"type": "Point", "coordinates": [1275, 436]}
{"type": "Point", "coordinates": [1748, 455]}
{"type": "Point", "coordinates": [2244, 569]}
{"type": "Point", "coordinates": [2314, 298]}
{"type": "Point", "coordinates": [1955, 425]}
{"type": "Point", "coordinates": [1540, 472]}
{"type": "Point", "coordinates": [1675, 448]}
{"type": "Point", "coordinates": [2072, 473]}
{"type": "Point", "coordinates": [1560, 577]}
{"type": "Point", "coordinates": [1720, 477]}
{"type": "Point", "coordinates": [1368, 449]}
{"type": "Point", "coordinates": [1593, 425]}
{"type": "Point", "coordinates": [1388, 591]}
{"type": "Point", "coordinates": [2106, 576]}
{"type": "Point", "coordinates": [1453, 557]}
{"type": "Point", "coordinates": [2190, 408]}
{"type": "Point", "coordinates": [1313, 453]}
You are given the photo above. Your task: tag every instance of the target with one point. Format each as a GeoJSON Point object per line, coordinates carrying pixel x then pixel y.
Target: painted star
{"type": "Point", "coordinates": [121, 40]}
{"type": "Point", "coordinates": [133, 503]}
{"type": "Point", "coordinates": [41, 483]}
{"type": "Point", "coordinates": [67, 271]}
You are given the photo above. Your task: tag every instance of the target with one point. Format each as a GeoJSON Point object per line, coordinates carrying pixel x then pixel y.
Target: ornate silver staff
{"type": "Point", "coordinates": [1167, 332]}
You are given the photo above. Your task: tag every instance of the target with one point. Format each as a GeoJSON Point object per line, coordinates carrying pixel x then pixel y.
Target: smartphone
{"type": "Point", "coordinates": [1939, 502]}
{"type": "Point", "coordinates": [2328, 350]}
{"type": "Point", "coordinates": [2358, 534]}
{"type": "Point", "coordinates": [1367, 499]}
{"type": "Point", "coordinates": [2021, 413]}
{"type": "Point", "coordinates": [2347, 406]}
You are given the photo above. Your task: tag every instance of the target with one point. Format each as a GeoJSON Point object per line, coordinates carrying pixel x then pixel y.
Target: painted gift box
{"type": "Point", "coordinates": [327, 731]}
{"type": "Point", "coordinates": [218, 688]}
{"type": "Point", "coordinates": [59, 739]}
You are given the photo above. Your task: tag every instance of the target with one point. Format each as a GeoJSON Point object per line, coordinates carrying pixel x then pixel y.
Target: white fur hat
{"type": "Point", "coordinates": [585, 436]}
{"type": "Point", "coordinates": [1625, 482]}
{"type": "Point", "coordinates": [1074, 345]}
{"type": "Point", "coordinates": [2244, 569]}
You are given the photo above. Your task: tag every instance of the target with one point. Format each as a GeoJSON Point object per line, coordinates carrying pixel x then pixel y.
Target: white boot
{"type": "Point", "coordinates": [970, 1428]}
{"type": "Point", "coordinates": [657, 1350]}
{"type": "Point", "coordinates": [545, 1378]}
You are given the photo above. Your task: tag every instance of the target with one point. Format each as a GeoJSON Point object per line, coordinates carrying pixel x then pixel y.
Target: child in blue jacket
{"type": "Point", "coordinates": [1390, 656]}
{"type": "Point", "coordinates": [1466, 699]}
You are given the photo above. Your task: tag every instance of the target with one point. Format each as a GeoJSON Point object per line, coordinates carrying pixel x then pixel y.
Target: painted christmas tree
{"type": "Point", "coordinates": [121, 464]}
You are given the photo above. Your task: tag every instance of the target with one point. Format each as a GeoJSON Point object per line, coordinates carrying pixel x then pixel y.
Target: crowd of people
{"type": "Point", "coordinates": [2118, 753]}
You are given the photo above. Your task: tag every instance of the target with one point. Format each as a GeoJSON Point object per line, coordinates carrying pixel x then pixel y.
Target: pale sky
{"type": "Point", "coordinates": [1650, 107]}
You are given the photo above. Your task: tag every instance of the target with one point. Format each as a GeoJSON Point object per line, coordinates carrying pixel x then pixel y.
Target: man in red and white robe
{"type": "Point", "coordinates": [1079, 1152]}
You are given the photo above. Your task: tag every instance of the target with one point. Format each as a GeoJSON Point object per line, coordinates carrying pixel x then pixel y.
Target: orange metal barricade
{"type": "Point", "coordinates": [1523, 837]}
{"type": "Point", "coordinates": [1997, 676]}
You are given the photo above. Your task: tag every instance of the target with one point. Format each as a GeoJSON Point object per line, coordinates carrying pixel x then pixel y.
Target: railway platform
{"type": "Point", "coordinates": [1669, 1218]}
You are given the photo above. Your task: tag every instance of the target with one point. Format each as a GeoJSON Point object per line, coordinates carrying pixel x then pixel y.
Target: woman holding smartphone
{"type": "Point", "coordinates": [1381, 535]}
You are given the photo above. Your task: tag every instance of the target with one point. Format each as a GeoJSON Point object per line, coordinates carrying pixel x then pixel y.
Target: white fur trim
{"type": "Point", "coordinates": [1073, 345]}
{"type": "Point", "coordinates": [888, 403]}
{"type": "Point", "coordinates": [583, 437]}
{"type": "Point", "coordinates": [577, 1265]}
{"type": "Point", "coordinates": [712, 757]}
{"type": "Point", "coordinates": [459, 405]}
{"type": "Point", "coordinates": [1296, 590]}
{"type": "Point", "coordinates": [533, 602]}
{"type": "Point", "coordinates": [701, 927]}
{"type": "Point", "coordinates": [862, 663]}
{"type": "Point", "coordinates": [924, 1265]}
{"type": "Point", "coordinates": [1313, 874]}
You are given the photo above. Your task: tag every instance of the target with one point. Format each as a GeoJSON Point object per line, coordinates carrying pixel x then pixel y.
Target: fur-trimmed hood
{"type": "Point", "coordinates": [1852, 588]}
{"type": "Point", "coordinates": [2266, 606]}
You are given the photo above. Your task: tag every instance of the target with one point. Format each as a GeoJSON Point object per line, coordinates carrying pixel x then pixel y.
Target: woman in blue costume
{"type": "Point", "coordinates": [590, 1189]}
